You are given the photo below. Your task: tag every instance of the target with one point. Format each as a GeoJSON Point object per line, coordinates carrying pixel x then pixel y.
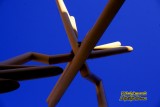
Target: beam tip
{"type": "Point", "coordinates": [129, 48]}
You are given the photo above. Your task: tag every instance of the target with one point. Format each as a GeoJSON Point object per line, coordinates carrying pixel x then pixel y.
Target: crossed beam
{"type": "Point", "coordinates": [83, 52]}
{"type": "Point", "coordinates": [12, 69]}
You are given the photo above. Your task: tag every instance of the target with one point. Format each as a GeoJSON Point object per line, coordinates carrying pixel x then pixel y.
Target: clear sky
{"type": "Point", "coordinates": [35, 25]}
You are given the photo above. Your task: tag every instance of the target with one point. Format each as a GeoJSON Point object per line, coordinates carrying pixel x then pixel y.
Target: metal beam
{"type": "Point", "coordinates": [85, 49]}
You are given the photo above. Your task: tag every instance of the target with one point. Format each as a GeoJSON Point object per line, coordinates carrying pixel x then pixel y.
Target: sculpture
{"type": "Point", "coordinates": [81, 51]}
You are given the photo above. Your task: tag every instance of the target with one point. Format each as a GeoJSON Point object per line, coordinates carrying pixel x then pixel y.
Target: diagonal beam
{"type": "Point", "coordinates": [26, 57]}
{"type": "Point", "coordinates": [87, 45]}
{"type": "Point", "coordinates": [70, 26]}
{"type": "Point", "coordinates": [71, 30]}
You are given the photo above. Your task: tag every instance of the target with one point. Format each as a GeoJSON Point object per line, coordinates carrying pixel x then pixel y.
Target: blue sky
{"type": "Point", "coordinates": [35, 25]}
